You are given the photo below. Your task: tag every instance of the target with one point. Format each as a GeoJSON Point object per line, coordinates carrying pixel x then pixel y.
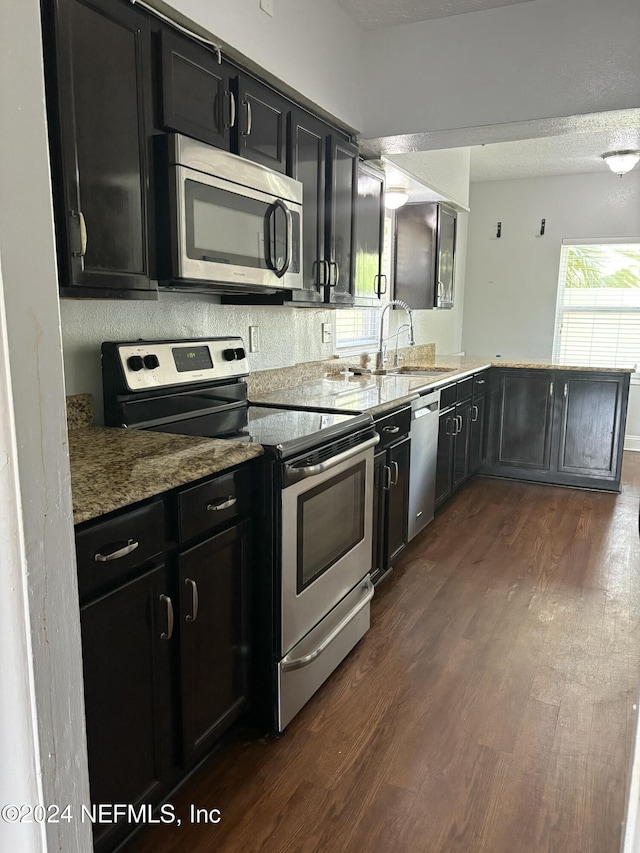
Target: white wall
{"type": "Point", "coordinates": [314, 47]}
{"type": "Point", "coordinates": [42, 741]}
{"type": "Point", "coordinates": [511, 283]}
{"type": "Point", "coordinates": [531, 60]}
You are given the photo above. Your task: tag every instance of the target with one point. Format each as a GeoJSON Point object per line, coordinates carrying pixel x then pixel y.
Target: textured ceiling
{"type": "Point", "coordinates": [377, 14]}
{"type": "Point", "coordinates": [554, 155]}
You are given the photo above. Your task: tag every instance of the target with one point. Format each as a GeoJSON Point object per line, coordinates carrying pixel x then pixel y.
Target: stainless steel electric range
{"type": "Point", "coordinates": [314, 497]}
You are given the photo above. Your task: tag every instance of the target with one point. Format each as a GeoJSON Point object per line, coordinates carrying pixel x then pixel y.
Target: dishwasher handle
{"type": "Point", "coordinates": [425, 410]}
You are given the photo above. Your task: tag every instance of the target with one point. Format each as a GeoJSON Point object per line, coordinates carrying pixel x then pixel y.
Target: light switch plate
{"type": "Point", "coordinates": [326, 333]}
{"type": "Point", "coordinates": [267, 6]}
{"type": "Point", "coordinates": [254, 339]}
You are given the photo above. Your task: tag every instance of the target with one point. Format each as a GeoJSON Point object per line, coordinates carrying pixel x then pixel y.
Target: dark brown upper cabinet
{"type": "Point", "coordinates": [195, 94]}
{"type": "Point", "coordinates": [369, 282]}
{"type": "Point", "coordinates": [340, 195]}
{"type": "Point", "coordinates": [98, 74]}
{"type": "Point", "coordinates": [306, 162]}
{"type": "Point", "coordinates": [425, 236]}
{"type": "Point", "coordinates": [261, 126]}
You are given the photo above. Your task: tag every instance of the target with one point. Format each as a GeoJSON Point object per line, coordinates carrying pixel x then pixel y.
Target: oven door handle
{"type": "Point", "coordinates": [293, 475]}
{"type": "Point", "coordinates": [287, 664]}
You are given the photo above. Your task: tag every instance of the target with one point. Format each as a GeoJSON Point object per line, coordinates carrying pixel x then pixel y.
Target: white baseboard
{"type": "Point", "coordinates": [632, 442]}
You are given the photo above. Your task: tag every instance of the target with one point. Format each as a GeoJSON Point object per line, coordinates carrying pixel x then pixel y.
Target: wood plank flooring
{"type": "Point", "coordinates": [488, 710]}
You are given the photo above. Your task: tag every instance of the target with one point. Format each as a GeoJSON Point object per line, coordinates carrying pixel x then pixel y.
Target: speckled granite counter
{"type": "Point", "coordinates": [112, 468]}
{"type": "Point", "coordinates": [377, 394]}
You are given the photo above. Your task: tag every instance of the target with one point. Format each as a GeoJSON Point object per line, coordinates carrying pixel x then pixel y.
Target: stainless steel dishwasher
{"type": "Point", "coordinates": [422, 467]}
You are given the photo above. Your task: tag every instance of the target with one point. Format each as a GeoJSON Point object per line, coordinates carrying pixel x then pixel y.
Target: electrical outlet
{"type": "Point", "coordinates": [254, 339]}
{"type": "Point", "coordinates": [267, 6]}
{"type": "Point", "coordinates": [326, 333]}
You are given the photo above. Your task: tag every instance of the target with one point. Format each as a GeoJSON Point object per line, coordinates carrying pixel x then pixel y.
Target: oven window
{"type": "Point", "coordinates": [330, 523]}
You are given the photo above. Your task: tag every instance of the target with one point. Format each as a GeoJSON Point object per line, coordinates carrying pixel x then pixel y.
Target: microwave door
{"type": "Point", "coordinates": [234, 234]}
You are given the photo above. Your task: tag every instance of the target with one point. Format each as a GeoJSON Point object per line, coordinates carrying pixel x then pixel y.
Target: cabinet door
{"type": "Point", "coordinates": [446, 253]}
{"type": "Point", "coordinates": [589, 434]}
{"type": "Point", "coordinates": [398, 499]}
{"type": "Point", "coordinates": [262, 124]}
{"type": "Point", "coordinates": [213, 638]}
{"type": "Point", "coordinates": [416, 229]}
{"type": "Point", "coordinates": [369, 231]}
{"type": "Point", "coordinates": [195, 95]}
{"type": "Point", "coordinates": [126, 661]}
{"type": "Point", "coordinates": [342, 163]}
{"type": "Point", "coordinates": [100, 113]}
{"type": "Point", "coordinates": [444, 464]}
{"type": "Point", "coordinates": [461, 443]}
{"type": "Point", "coordinates": [307, 163]}
{"type": "Point", "coordinates": [525, 423]}
{"type": "Point", "coordinates": [477, 432]}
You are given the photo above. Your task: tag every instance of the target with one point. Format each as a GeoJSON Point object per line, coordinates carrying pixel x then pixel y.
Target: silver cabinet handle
{"type": "Point", "coordinates": [247, 132]}
{"type": "Point", "coordinates": [82, 225]}
{"type": "Point", "coordinates": [474, 415]}
{"type": "Point", "coordinates": [336, 278]}
{"type": "Point", "coordinates": [391, 429]}
{"type": "Point", "coordinates": [377, 282]}
{"type": "Point", "coordinates": [191, 617]}
{"type": "Point", "coordinates": [387, 477]}
{"type": "Point", "coordinates": [232, 109]}
{"type": "Point", "coordinates": [166, 635]}
{"type": "Point", "coordinates": [566, 389]}
{"type": "Point", "coordinates": [326, 266]}
{"type": "Point", "coordinates": [395, 468]}
{"type": "Point", "coordinates": [288, 663]}
{"type": "Point", "coordinates": [224, 504]}
{"type": "Point", "coordinates": [551, 390]}
{"type": "Point", "coordinates": [481, 381]}
{"type": "Point", "coordinates": [116, 555]}
{"type": "Point", "coordinates": [447, 423]}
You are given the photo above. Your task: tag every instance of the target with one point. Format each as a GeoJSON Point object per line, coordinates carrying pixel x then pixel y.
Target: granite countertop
{"type": "Point", "coordinates": [112, 468]}
{"type": "Point", "coordinates": [377, 394]}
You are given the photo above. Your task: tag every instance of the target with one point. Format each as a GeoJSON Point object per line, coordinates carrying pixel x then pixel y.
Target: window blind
{"type": "Point", "coordinates": [357, 328]}
{"type": "Point", "coordinates": [598, 308]}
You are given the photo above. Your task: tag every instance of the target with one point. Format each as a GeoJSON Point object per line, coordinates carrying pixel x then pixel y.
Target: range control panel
{"type": "Point", "coordinates": [155, 364]}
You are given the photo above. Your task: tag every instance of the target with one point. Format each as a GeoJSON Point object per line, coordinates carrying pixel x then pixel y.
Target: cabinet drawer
{"type": "Point", "coordinates": [480, 382]}
{"type": "Point", "coordinates": [447, 397]}
{"type": "Point", "coordinates": [393, 426]}
{"type": "Point", "coordinates": [108, 552]}
{"type": "Point", "coordinates": [464, 389]}
{"type": "Point", "coordinates": [209, 505]}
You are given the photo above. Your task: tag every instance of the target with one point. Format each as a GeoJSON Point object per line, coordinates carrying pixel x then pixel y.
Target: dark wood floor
{"type": "Point", "coordinates": [490, 707]}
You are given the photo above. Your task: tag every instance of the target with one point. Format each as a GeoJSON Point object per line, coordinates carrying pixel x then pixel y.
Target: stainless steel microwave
{"type": "Point", "coordinates": [233, 225]}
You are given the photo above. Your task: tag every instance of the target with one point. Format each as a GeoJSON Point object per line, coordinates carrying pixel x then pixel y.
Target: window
{"type": "Point", "coordinates": [357, 328]}
{"type": "Point", "coordinates": [598, 308]}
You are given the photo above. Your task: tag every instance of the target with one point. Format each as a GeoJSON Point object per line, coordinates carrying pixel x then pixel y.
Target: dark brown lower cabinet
{"type": "Point", "coordinates": [214, 642]}
{"type": "Point", "coordinates": [126, 650]}
{"type": "Point", "coordinates": [391, 491]}
{"type": "Point", "coordinates": [444, 468]}
{"type": "Point", "coordinates": [559, 426]}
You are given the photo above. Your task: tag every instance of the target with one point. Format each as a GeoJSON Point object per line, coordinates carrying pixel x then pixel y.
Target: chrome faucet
{"type": "Point", "coordinates": [380, 359]}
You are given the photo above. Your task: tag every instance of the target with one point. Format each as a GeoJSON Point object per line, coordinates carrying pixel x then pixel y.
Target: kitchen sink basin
{"type": "Point", "coordinates": [427, 372]}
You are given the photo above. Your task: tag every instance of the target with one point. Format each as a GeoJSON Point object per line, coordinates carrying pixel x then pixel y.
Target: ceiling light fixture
{"type": "Point", "coordinates": [395, 197]}
{"type": "Point", "coordinates": [621, 162]}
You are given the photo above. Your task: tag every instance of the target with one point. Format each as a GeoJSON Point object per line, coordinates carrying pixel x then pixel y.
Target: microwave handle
{"type": "Point", "coordinates": [289, 238]}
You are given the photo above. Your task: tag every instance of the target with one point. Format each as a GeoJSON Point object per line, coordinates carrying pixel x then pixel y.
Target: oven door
{"type": "Point", "coordinates": [327, 512]}
{"type": "Point", "coordinates": [233, 234]}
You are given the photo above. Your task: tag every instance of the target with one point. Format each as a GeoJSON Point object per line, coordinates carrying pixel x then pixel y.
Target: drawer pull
{"type": "Point", "coordinates": [480, 381]}
{"type": "Point", "coordinates": [391, 429]}
{"type": "Point", "coordinates": [225, 504]}
{"type": "Point", "coordinates": [166, 635]}
{"type": "Point", "coordinates": [191, 617]}
{"type": "Point", "coordinates": [116, 555]}
{"type": "Point", "coordinates": [395, 468]}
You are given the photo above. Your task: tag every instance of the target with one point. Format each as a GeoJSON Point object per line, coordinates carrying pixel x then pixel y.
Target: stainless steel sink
{"type": "Point", "coordinates": [426, 372]}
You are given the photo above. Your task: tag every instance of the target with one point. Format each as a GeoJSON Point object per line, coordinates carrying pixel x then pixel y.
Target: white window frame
{"type": "Point", "coordinates": [630, 311]}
